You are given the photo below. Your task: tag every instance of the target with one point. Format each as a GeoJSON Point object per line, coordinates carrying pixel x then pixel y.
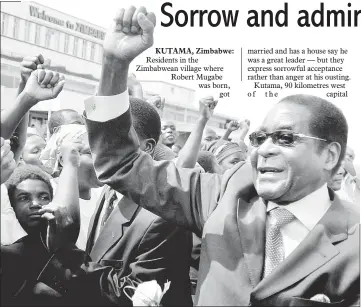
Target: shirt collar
{"type": "Point", "coordinates": [119, 196]}
{"type": "Point", "coordinates": [110, 191]}
{"type": "Point", "coordinates": [310, 209]}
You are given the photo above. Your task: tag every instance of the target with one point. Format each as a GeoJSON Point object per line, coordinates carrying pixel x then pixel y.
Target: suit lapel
{"type": "Point", "coordinates": [113, 229]}
{"type": "Point", "coordinates": [313, 252]}
{"type": "Point", "coordinates": [94, 220]}
{"type": "Point", "coordinates": [251, 223]}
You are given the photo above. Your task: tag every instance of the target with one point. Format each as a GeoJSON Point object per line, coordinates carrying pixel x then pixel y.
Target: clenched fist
{"type": "Point", "coordinates": [70, 153]}
{"type": "Point", "coordinates": [29, 64]}
{"type": "Point", "coordinates": [207, 106]}
{"type": "Point", "coordinates": [157, 101]}
{"type": "Point", "coordinates": [131, 34]}
{"type": "Point", "coordinates": [43, 85]}
{"type": "Point", "coordinates": [233, 125]}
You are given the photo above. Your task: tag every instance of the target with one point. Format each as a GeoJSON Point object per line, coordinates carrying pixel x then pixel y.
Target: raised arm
{"type": "Point", "coordinates": [188, 155]}
{"type": "Point", "coordinates": [244, 126]}
{"type": "Point", "coordinates": [231, 126]}
{"type": "Point", "coordinates": [134, 87]}
{"type": "Point", "coordinates": [63, 213]}
{"type": "Point", "coordinates": [11, 117]}
{"type": "Point", "coordinates": [15, 119]}
{"type": "Point", "coordinates": [158, 103]}
{"type": "Point", "coordinates": [181, 196]}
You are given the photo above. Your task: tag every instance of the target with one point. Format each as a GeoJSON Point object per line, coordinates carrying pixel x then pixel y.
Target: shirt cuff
{"type": "Point", "coordinates": [105, 108]}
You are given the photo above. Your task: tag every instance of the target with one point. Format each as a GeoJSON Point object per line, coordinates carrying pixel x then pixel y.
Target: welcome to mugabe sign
{"type": "Point", "coordinates": [34, 12]}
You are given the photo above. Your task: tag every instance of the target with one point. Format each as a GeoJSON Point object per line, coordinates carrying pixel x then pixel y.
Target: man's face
{"type": "Point", "coordinates": [335, 182]}
{"type": "Point", "coordinates": [86, 172]}
{"type": "Point", "coordinates": [29, 197]}
{"type": "Point", "coordinates": [169, 133]}
{"type": "Point", "coordinates": [286, 174]}
{"type": "Point", "coordinates": [32, 150]}
{"type": "Point", "coordinates": [209, 136]}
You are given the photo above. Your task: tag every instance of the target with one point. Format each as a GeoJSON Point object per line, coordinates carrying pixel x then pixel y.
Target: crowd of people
{"type": "Point", "coordinates": [111, 200]}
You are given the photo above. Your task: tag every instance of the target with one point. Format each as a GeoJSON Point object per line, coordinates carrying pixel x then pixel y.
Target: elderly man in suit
{"type": "Point", "coordinates": [272, 233]}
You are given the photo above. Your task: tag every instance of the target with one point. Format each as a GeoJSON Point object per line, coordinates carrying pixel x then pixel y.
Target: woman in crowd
{"type": "Point", "coordinates": [228, 154]}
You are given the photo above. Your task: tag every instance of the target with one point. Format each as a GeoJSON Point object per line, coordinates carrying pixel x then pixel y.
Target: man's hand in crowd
{"type": "Point", "coordinates": [206, 107]}
{"type": "Point", "coordinates": [134, 87]}
{"type": "Point", "coordinates": [70, 153]}
{"type": "Point", "coordinates": [60, 223]}
{"type": "Point", "coordinates": [7, 160]}
{"type": "Point", "coordinates": [233, 125]}
{"type": "Point", "coordinates": [157, 102]}
{"type": "Point", "coordinates": [29, 64]}
{"type": "Point", "coordinates": [244, 125]}
{"type": "Point", "coordinates": [131, 35]}
{"type": "Point", "coordinates": [43, 85]}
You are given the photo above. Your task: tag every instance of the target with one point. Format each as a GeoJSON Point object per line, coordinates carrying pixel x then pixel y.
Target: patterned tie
{"type": "Point", "coordinates": [274, 244]}
{"type": "Point", "coordinates": [109, 203]}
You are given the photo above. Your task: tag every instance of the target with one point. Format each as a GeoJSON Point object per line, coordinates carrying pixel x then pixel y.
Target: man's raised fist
{"type": "Point", "coordinates": [207, 106]}
{"type": "Point", "coordinates": [29, 64]}
{"type": "Point", "coordinates": [131, 34]}
{"type": "Point", "coordinates": [43, 85]}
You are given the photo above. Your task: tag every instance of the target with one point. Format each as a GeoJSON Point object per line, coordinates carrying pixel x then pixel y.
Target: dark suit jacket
{"type": "Point", "coordinates": [133, 246]}
{"type": "Point", "coordinates": [142, 246]}
{"type": "Point", "coordinates": [21, 264]}
{"type": "Point", "coordinates": [232, 227]}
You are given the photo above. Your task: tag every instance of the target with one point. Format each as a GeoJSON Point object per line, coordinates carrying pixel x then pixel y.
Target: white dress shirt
{"type": "Point", "coordinates": [99, 224]}
{"type": "Point", "coordinates": [87, 208]}
{"type": "Point", "coordinates": [104, 108]}
{"type": "Point", "coordinates": [308, 212]}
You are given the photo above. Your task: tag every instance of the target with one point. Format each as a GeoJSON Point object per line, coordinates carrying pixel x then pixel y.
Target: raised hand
{"type": "Point", "coordinates": [207, 106]}
{"type": "Point", "coordinates": [131, 34]}
{"type": "Point", "coordinates": [70, 153]}
{"type": "Point", "coordinates": [43, 85]}
{"type": "Point", "coordinates": [233, 125]}
{"type": "Point", "coordinates": [134, 87]}
{"type": "Point", "coordinates": [8, 163]}
{"type": "Point", "coordinates": [61, 226]}
{"type": "Point", "coordinates": [157, 101]}
{"type": "Point", "coordinates": [244, 128]}
{"type": "Point", "coordinates": [244, 125]}
{"type": "Point", "coordinates": [29, 64]}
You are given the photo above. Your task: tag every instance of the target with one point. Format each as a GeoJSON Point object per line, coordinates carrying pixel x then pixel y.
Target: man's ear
{"type": "Point", "coordinates": [59, 157]}
{"type": "Point", "coordinates": [149, 146]}
{"type": "Point", "coordinates": [332, 155]}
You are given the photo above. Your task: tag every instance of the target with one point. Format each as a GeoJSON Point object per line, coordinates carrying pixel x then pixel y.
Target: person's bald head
{"type": "Point", "coordinates": [169, 133]}
{"type": "Point", "coordinates": [209, 135]}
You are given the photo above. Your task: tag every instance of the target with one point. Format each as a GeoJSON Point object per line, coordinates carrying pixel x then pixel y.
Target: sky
{"type": "Point", "coordinates": [240, 38]}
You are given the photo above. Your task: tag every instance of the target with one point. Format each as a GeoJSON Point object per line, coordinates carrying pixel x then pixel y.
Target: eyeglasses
{"type": "Point", "coordinates": [279, 137]}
